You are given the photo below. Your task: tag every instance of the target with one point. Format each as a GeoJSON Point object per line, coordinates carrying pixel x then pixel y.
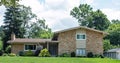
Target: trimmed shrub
{"type": "Point", "coordinates": [1, 52]}
{"type": "Point", "coordinates": [44, 53]}
{"type": "Point", "coordinates": [5, 54]}
{"type": "Point", "coordinates": [29, 53]}
{"type": "Point", "coordinates": [73, 54]}
{"type": "Point", "coordinates": [90, 55]}
{"type": "Point", "coordinates": [12, 55]}
{"type": "Point", "coordinates": [65, 55]}
{"type": "Point", "coordinates": [21, 53]}
{"type": "Point", "coordinates": [8, 49]}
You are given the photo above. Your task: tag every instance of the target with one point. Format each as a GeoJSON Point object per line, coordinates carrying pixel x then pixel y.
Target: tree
{"type": "Point", "coordinates": [114, 34]}
{"type": "Point", "coordinates": [15, 18]}
{"type": "Point", "coordinates": [99, 21]}
{"type": "Point", "coordinates": [39, 29]}
{"type": "Point", "coordinates": [9, 2]}
{"type": "Point", "coordinates": [115, 21]}
{"type": "Point", "coordinates": [87, 17]}
{"type": "Point", "coordinates": [106, 45]}
{"type": "Point", "coordinates": [82, 13]}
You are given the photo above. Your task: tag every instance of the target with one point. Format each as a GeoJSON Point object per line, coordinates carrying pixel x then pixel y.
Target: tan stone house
{"type": "Point", "coordinates": [80, 40]}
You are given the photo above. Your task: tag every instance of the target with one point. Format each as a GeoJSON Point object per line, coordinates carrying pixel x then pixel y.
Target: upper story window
{"type": "Point", "coordinates": [30, 47]}
{"type": "Point", "coordinates": [80, 36]}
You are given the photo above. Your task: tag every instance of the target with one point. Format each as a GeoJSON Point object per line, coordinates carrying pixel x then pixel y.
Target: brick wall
{"type": "Point", "coordinates": [17, 47]}
{"type": "Point", "coordinates": [94, 42]}
{"type": "Point", "coordinates": [67, 42]}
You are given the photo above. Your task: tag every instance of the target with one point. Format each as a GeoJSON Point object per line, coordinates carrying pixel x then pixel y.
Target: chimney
{"type": "Point", "coordinates": [12, 36]}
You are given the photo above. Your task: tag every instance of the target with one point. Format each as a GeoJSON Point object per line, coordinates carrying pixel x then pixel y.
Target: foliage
{"type": "Point", "coordinates": [21, 53]}
{"type": "Point", "coordinates": [39, 29]}
{"type": "Point", "coordinates": [87, 17]}
{"type": "Point", "coordinates": [114, 34]}
{"type": "Point", "coordinates": [56, 60]}
{"type": "Point", "coordinates": [8, 49]}
{"type": "Point", "coordinates": [9, 2]}
{"type": "Point", "coordinates": [73, 54]}
{"type": "Point", "coordinates": [115, 21]}
{"type": "Point", "coordinates": [44, 53]}
{"type": "Point", "coordinates": [82, 13]}
{"type": "Point", "coordinates": [29, 53]}
{"type": "Point", "coordinates": [90, 55]}
{"type": "Point", "coordinates": [1, 45]}
{"type": "Point", "coordinates": [106, 45]}
{"type": "Point", "coordinates": [65, 55]}
{"type": "Point", "coordinates": [5, 54]}
{"type": "Point", "coordinates": [12, 55]}
{"type": "Point", "coordinates": [15, 22]}
{"type": "Point", "coordinates": [1, 52]}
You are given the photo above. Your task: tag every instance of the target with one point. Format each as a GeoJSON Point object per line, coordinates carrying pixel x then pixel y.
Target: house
{"type": "Point", "coordinates": [80, 40]}
{"type": "Point", "coordinates": [113, 53]}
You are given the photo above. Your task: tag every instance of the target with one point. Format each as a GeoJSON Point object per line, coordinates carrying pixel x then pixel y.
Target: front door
{"type": "Point", "coordinates": [53, 49]}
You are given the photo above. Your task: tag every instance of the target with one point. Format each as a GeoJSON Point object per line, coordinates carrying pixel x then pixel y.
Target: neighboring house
{"type": "Point", "coordinates": [113, 53]}
{"type": "Point", "coordinates": [80, 40]}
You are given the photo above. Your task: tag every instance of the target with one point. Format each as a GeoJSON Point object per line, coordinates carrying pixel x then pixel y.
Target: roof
{"type": "Point", "coordinates": [114, 50]}
{"type": "Point", "coordinates": [30, 40]}
{"type": "Point", "coordinates": [83, 27]}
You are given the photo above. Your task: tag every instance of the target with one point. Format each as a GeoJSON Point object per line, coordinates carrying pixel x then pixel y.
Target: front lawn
{"type": "Point", "coordinates": [55, 60]}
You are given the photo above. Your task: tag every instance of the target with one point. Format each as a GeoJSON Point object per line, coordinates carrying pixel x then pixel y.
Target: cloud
{"type": "Point", "coordinates": [111, 13]}
{"type": "Point", "coordinates": [2, 10]}
{"type": "Point", "coordinates": [55, 12]}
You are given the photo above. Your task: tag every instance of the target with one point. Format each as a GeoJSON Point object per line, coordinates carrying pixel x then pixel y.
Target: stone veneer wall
{"type": "Point", "coordinates": [94, 42]}
{"type": "Point", "coordinates": [17, 47]}
{"type": "Point", "coordinates": [67, 42]}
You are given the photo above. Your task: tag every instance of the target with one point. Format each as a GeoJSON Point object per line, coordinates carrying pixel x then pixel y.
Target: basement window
{"type": "Point", "coordinates": [30, 47]}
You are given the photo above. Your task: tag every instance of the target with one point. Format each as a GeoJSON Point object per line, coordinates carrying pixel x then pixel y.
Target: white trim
{"type": "Point", "coordinates": [29, 44]}
{"type": "Point", "coordinates": [80, 34]}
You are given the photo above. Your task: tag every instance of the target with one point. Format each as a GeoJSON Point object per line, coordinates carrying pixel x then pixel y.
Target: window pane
{"type": "Point", "coordinates": [30, 47]}
{"type": "Point", "coordinates": [80, 36]}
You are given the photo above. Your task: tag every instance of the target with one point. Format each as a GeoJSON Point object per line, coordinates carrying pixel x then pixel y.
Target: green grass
{"type": "Point", "coordinates": [55, 60]}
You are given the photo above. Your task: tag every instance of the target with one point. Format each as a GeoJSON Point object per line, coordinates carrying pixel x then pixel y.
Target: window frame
{"type": "Point", "coordinates": [30, 44]}
{"type": "Point", "coordinates": [79, 52]}
{"type": "Point", "coordinates": [80, 34]}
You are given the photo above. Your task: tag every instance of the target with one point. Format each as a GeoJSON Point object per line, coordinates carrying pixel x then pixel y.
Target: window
{"type": "Point", "coordinates": [80, 37]}
{"type": "Point", "coordinates": [30, 47]}
{"type": "Point", "coordinates": [80, 52]}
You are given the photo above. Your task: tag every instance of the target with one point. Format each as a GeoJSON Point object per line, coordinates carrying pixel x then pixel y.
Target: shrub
{"type": "Point", "coordinates": [1, 52]}
{"type": "Point", "coordinates": [5, 54]}
{"type": "Point", "coordinates": [8, 49]}
{"type": "Point", "coordinates": [90, 55]}
{"type": "Point", "coordinates": [44, 53]}
{"type": "Point", "coordinates": [73, 54]}
{"type": "Point", "coordinates": [29, 53]}
{"type": "Point", "coordinates": [37, 52]}
{"type": "Point", "coordinates": [21, 53]}
{"type": "Point", "coordinates": [12, 54]}
{"type": "Point", "coordinates": [65, 55]}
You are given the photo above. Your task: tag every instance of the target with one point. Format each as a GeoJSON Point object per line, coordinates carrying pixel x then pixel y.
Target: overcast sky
{"type": "Point", "coordinates": [57, 12]}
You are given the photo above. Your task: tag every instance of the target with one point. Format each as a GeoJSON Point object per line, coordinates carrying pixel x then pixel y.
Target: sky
{"type": "Point", "coordinates": [57, 12]}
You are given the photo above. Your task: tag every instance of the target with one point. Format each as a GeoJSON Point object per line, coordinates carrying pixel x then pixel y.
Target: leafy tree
{"type": "Point", "coordinates": [99, 20]}
{"type": "Point", "coordinates": [106, 45]}
{"type": "Point", "coordinates": [82, 13]}
{"type": "Point", "coordinates": [114, 34]}
{"type": "Point", "coordinates": [115, 21]}
{"type": "Point", "coordinates": [9, 2]}
{"type": "Point", "coordinates": [39, 29]}
{"type": "Point", "coordinates": [87, 17]}
{"type": "Point", "coordinates": [15, 20]}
